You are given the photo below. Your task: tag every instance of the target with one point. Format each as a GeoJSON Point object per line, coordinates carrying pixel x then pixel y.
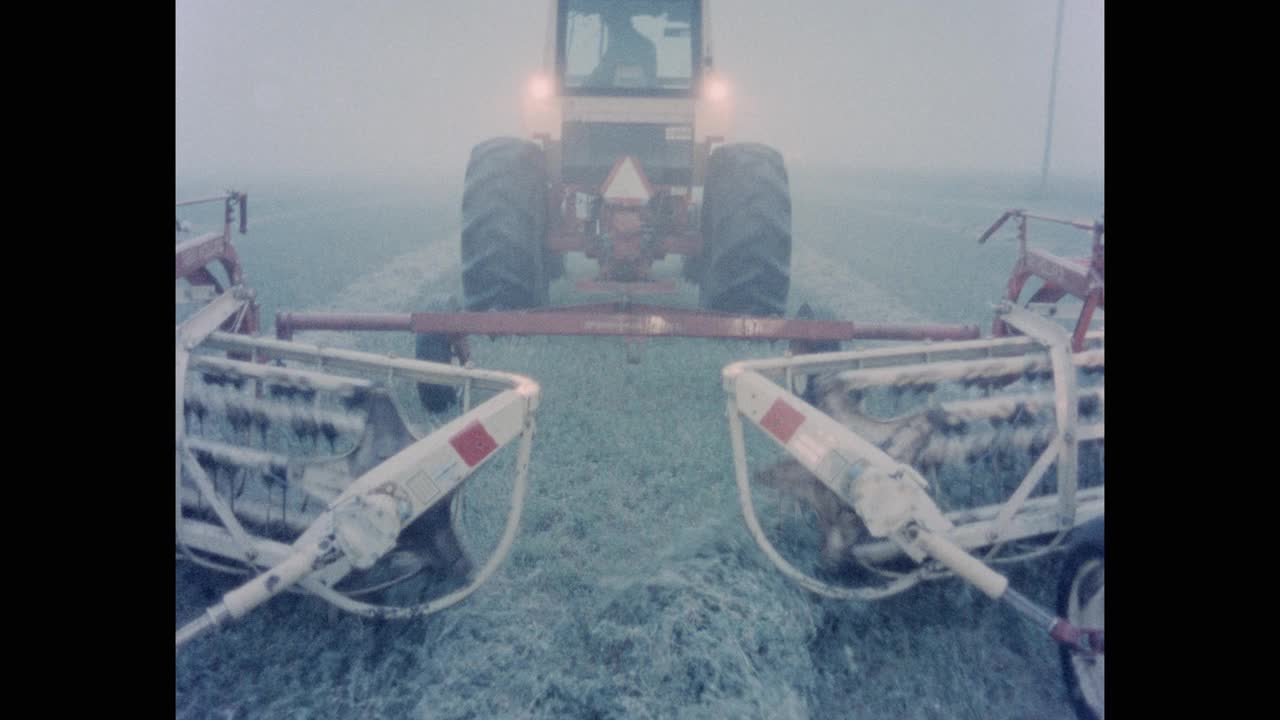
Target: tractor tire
{"type": "Point", "coordinates": [1081, 602]}
{"type": "Point", "coordinates": [504, 226]}
{"type": "Point", "coordinates": [554, 265]}
{"type": "Point", "coordinates": [435, 348]}
{"type": "Point", "coordinates": [746, 226]}
{"type": "Point", "coordinates": [692, 267]}
{"type": "Point", "coordinates": [808, 391]}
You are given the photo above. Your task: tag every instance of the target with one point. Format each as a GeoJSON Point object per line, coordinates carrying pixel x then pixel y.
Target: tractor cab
{"type": "Point", "coordinates": [607, 47]}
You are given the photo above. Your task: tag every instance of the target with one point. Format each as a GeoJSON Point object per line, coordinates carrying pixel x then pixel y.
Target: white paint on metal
{"type": "Point", "coordinates": [1038, 517]}
{"type": "Point", "coordinates": [891, 499]}
{"type": "Point", "coordinates": [424, 486]}
{"type": "Point", "coordinates": [339, 360]}
{"type": "Point", "coordinates": [500, 553]}
{"type": "Point", "coordinates": [1019, 497]}
{"type": "Point", "coordinates": [1065, 395]}
{"type": "Point", "coordinates": [364, 515]}
{"type": "Point", "coordinates": [195, 294]}
{"type": "Point", "coordinates": [963, 564]}
{"type": "Point", "coordinates": [753, 526]}
{"type": "Point", "coordinates": [366, 527]}
{"type": "Point", "coordinates": [205, 321]}
{"type": "Point", "coordinates": [293, 377]}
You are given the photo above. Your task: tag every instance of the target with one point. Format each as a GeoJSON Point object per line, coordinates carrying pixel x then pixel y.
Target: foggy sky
{"type": "Point", "coordinates": [404, 88]}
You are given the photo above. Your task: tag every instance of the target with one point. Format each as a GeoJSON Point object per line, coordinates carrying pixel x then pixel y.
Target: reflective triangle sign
{"type": "Point", "coordinates": [627, 184]}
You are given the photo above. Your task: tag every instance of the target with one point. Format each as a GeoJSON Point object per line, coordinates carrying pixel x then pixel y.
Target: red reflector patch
{"type": "Point", "coordinates": [473, 444]}
{"type": "Point", "coordinates": [782, 420]}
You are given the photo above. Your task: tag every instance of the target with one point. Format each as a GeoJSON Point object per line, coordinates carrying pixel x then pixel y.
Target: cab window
{"type": "Point", "coordinates": [618, 47]}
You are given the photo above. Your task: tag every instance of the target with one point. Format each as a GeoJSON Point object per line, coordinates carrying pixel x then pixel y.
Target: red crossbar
{"type": "Point", "coordinates": [608, 320]}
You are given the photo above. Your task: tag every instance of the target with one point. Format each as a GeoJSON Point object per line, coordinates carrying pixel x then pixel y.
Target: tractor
{"type": "Point", "coordinates": [626, 163]}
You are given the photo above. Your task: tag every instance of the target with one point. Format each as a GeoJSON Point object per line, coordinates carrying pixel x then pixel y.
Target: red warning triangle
{"type": "Point", "coordinates": [626, 184]}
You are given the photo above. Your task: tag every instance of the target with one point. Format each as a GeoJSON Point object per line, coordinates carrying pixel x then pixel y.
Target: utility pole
{"type": "Point", "coordinates": [1053, 89]}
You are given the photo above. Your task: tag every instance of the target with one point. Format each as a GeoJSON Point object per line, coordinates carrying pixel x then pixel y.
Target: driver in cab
{"type": "Point", "coordinates": [630, 60]}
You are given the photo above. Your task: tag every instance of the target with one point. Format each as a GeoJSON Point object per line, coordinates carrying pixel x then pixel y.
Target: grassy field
{"type": "Point", "coordinates": [634, 589]}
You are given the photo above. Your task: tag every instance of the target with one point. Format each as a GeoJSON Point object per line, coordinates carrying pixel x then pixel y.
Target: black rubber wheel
{"type": "Point", "coordinates": [746, 227]}
{"type": "Point", "coordinates": [693, 266]}
{"type": "Point", "coordinates": [504, 226]}
{"type": "Point", "coordinates": [435, 348]}
{"type": "Point", "coordinates": [809, 392]}
{"type": "Point", "coordinates": [553, 264]}
{"type": "Point", "coordinates": [1081, 602]}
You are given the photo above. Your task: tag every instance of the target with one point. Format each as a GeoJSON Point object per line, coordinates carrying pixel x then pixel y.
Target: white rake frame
{"type": "Point", "coordinates": [889, 496]}
{"type": "Point", "coordinates": [362, 523]}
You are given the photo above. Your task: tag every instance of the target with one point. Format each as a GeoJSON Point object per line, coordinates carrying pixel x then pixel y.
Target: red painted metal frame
{"type": "Point", "coordinates": [626, 256]}
{"type": "Point", "coordinates": [619, 320]}
{"type": "Point", "coordinates": [1083, 278]}
{"type": "Point", "coordinates": [193, 257]}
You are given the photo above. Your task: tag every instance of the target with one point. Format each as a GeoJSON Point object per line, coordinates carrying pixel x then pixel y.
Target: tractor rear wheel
{"type": "Point", "coordinates": [746, 226]}
{"type": "Point", "coordinates": [435, 348]}
{"type": "Point", "coordinates": [809, 390]}
{"type": "Point", "coordinates": [504, 226]}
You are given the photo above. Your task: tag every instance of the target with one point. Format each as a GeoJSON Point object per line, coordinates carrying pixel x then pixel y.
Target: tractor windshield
{"type": "Point", "coordinates": [621, 47]}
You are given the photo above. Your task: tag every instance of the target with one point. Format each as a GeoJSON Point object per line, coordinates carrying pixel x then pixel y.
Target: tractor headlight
{"type": "Point", "coordinates": [715, 89]}
{"type": "Point", "coordinates": [540, 87]}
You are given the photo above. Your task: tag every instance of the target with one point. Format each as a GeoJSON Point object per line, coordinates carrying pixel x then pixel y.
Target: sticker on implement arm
{"type": "Point", "coordinates": [473, 444]}
{"type": "Point", "coordinates": [426, 485]}
{"type": "Point", "coordinates": [781, 421]}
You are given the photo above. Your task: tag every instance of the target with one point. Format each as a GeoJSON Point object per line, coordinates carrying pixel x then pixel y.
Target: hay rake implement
{"type": "Point", "coordinates": [879, 442]}
{"type": "Point", "coordinates": [891, 496]}
{"type": "Point", "coordinates": [295, 464]}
